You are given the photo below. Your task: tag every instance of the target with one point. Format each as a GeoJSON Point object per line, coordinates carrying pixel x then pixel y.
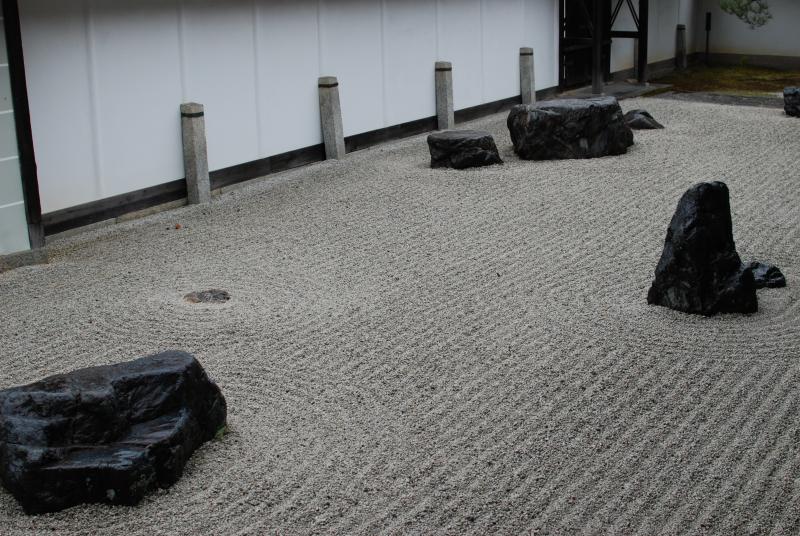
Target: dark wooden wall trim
{"type": "Point", "coordinates": [394, 132]}
{"type": "Point", "coordinates": [113, 207]}
{"type": "Point", "coordinates": [266, 166]}
{"type": "Point", "coordinates": [22, 119]}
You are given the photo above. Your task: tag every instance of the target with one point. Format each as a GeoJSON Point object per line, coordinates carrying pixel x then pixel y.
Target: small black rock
{"type": "Point", "coordinates": [791, 101]}
{"type": "Point", "coordinates": [106, 434]}
{"type": "Point", "coordinates": [641, 120]}
{"type": "Point", "coordinates": [569, 128]}
{"type": "Point", "coordinates": [461, 149]}
{"type": "Point", "coordinates": [766, 275]}
{"type": "Point", "coordinates": [700, 271]}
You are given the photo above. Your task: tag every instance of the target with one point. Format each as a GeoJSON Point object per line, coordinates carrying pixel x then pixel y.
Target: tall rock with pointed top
{"type": "Point", "coordinates": [700, 271]}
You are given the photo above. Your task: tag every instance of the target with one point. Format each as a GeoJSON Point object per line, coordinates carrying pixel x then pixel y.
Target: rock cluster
{"type": "Point", "coordinates": [569, 128]}
{"type": "Point", "coordinates": [462, 149]}
{"type": "Point", "coordinates": [106, 434]}
{"type": "Point", "coordinates": [700, 271]}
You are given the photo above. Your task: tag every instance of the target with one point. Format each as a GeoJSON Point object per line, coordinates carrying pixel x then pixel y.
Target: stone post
{"type": "Point", "coordinates": [680, 47]}
{"type": "Point", "coordinates": [195, 153]}
{"type": "Point", "coordinates": [527, 80]}
{"type": "Point", "coordinates": [330, 113]}
{"type": "Point", "coordinates": [444, 95]}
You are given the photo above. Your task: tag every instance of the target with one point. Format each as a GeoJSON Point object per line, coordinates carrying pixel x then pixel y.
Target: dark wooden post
{"type": "Point", "coordinates": [597, 50]}
{"type": "Point", "coordinates": [561, 79]}
{"type": "Point", "coordinates": [22, 118]}
{"type": "Point", "coordinates": [644, 17]}
{"type": "Point", "coordinates": [708, 38]}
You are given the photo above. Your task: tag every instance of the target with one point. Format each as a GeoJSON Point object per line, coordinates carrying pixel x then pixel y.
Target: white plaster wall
{"type": "Point", "coordinates": [729, 35]}
{"type": "Point", "coordinates": [665, 15]}
{"type": "Point", "coordinates": [106, 77]}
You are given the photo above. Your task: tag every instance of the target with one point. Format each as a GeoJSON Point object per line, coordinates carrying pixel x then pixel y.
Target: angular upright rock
{"type": "Point", "coordinates": [700, 271]}
{"type": "Point", "coordinates": [569, 128]}
{"type": "Point", "coordinates": [461, 149]}
{"type": "Point", "coordinates": [791, 101]}
{"type": "Point", "coordinates": [641, 120]}
{"type": "Point", "coordinates": [106, 434]}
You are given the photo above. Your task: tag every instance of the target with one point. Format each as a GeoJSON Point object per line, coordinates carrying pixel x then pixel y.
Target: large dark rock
{"type": "Point", "coordinates": [569, 128]}
{"type": "Point", "coordinates": [700, 271]}
{"type": "Point", "coordinates": [461, 149]}
{"type": "Point", "coordinates": [791, 101]}
{"type": "Point", "coordinates": [106, 434]}
{"type": "Point", "coordinates": [766, 275]}
{"type": "Point", "coordinates": [641, 120]}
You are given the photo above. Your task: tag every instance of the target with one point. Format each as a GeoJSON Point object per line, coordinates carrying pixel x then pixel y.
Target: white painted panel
{"type": "Point", "coordinates": [56, 64]}
{"type": "Point", "coordinates": [288, 57]}
{"type": "Point", "coordinates": [460, 31]}
{"type": "Point", "coordinates": [664, 19]}
{"type": "Point", "coordinates": [540, 32]}
{"type": "Point", "coordinates": [623, 50]}
{"type": "Point", "coordinates": [729, 35]}
{"type": "Point", "coordinates": [409, 34]}
{"type": "Point", "coordinates": [124, 66]}
{"type": "Point", "coordinates": [687, 17]}
{"type": "Point", "coordinates": [351, 50]}
{"type": "Point", "coordinates": [502, 38]}
{"type": "Point", "coordinates": [665, 15]}
{"type": "Point", "coordinates": [13, 229]}
{"type": "Point", "coordinates": [135, 48]}
{"type": "Point", "coordinates": [13, 222]}
{"type": "Point", "coordinates": [219, 71]}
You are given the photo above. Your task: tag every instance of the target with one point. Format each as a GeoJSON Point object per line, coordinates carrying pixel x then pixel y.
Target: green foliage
{"type": "Point", "coordinates": [753, 12]}
{"type": "Point", "coordinates": [222, 432]}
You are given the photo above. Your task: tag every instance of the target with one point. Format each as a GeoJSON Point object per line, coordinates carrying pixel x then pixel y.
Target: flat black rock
{"type": "Point", "coordinates": [106, 434]}
{"type": "Point", "coordinates": [791, 101]}
{"type": "Point", "coordinates": [700, 271]}
{"type": "Point", "coordinates": [569, 128]}
{"type": "Point", "coordinates": [641, 120]}
{"type": "Point", "coordinates": [766, 275]}
{"type": "Point", "coordinates": [461, 149]}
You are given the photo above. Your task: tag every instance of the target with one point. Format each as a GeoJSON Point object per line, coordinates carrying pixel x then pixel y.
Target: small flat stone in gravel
{"type": "Point", "coordinates": [208, 296]}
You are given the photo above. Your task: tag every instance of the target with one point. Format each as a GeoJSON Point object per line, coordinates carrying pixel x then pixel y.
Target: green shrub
{"type": "Point", "coordinates": [753, 12]}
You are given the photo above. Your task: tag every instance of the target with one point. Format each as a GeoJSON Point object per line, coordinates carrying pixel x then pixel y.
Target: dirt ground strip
{"type": "Point", "coordinates": [408, 350]}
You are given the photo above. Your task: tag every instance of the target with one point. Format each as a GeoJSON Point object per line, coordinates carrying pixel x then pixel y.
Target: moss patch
{"type": "Point", "coordinates": [734, 80]}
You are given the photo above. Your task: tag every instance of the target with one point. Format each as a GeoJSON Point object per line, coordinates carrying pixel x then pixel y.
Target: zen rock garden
{"type": "Point", "coordinates": [791, 101]}
{"type": "Point", "coordinates": [107, 434]}
{"type": "Point", "coordinates": [111, 434]}
{"type": "Point", "coordinates": [700, 271]}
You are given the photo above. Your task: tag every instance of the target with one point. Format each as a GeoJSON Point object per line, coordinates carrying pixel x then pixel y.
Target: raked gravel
{"type": "Point", "coordinates": [409, 350]}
